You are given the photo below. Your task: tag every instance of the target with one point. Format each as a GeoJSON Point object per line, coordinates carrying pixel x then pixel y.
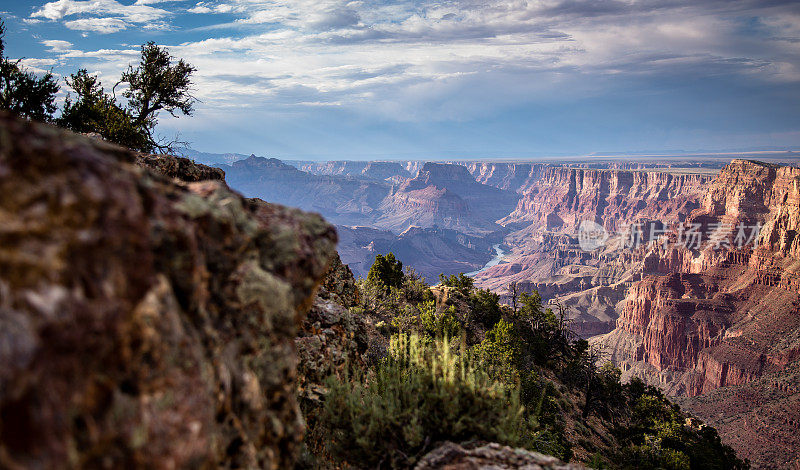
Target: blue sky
{"type": "Point", "coordinates": [334, 79]}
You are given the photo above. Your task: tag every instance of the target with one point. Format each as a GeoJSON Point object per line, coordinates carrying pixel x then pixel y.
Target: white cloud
{"type": "Point", "coordinates": [38, 63]}
{"type": "Point", "coordinates": [199, 8]}
{"type": "Point", "coordinates": [97, 25]}
{"type": "Point", "coordinates": [154, 2]}
{"type": "Point", "coordinates": [57, 45]}
{"type": "Point", "coordinates": [205, 7]}
{"type": "Point", "coordinates": [102, 16]}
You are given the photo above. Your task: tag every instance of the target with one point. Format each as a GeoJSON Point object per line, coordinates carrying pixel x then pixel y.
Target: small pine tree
{"type": "Point", "coordinates": [387, 271]}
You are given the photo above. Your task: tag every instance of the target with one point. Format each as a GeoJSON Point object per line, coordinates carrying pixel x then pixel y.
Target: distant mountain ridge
{"type": "Point", "coordinates": [431, 221]}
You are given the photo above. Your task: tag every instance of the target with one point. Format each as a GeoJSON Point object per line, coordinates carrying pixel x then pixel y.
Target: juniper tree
{"type": "Point", "coordinates": [95, 111]}
{"type": "Point", "coordinates": [157, 84]}
{"type": "Point", "coordinates": [22, 92]}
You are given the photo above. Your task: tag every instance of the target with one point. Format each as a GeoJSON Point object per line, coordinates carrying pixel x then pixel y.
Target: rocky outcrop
{"type": "Point", "coordinates": [144, 321]}
{"type": "Point", "coordinates": [452, 456]}
{"type": "Point", "coordinates": [180, 168]}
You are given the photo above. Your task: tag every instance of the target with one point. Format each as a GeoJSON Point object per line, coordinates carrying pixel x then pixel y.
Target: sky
{"type": "Point", "coordinates": [364, 79]}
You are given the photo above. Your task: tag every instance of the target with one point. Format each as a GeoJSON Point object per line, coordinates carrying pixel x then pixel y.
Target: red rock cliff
{"type": "Point", "coordinates": [721, 315]}
{"type": "Point", "coordinates": [563, 197]}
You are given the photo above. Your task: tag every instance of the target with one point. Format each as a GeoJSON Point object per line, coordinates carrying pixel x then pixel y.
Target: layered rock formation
{"type": "Point", "coordinates": [517, 177]}
{"type": "Point", "coordinates": [376, 170]}
{"type": "Point", "coordinates": [446, 196]}
{"type": "Point", "coordinates": [146, 322]}
{"type": "Point", "coordinates": [723, 315]}
{"type": "Point", "coordinates": [546, 255]}
{"type": "Point", "coordinates": [563, 197]}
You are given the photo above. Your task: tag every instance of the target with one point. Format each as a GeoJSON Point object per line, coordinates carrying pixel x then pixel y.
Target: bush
{"type": "Point", "coordinates": [500, 352]}
{"type": "Point", "coordinates": [22, 92]}
{"type": "Point", "coordinates": [386, 271]}
{"type": "Point", "coordinates": [485, 307]}
{"type": "Point", "coordinates": [461, 282]}
{"type": "Point", "coordinates": [420, 395]}
{"type": "Point", "coordinates": [438, 324]}
{"type": "Point", "coordinates": [415, 289]}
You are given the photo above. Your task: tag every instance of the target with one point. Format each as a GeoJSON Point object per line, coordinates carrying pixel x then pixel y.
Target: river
{"type": "Point", "coordinates": [499, 255]}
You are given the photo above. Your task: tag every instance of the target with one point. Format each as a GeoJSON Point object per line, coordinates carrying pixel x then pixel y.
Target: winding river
{"type": "Point", "coordinates": [499, 255]}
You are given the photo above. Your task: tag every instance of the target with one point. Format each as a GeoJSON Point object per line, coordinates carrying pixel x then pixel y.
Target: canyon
{"type": "Point", "coordinates": [692, 287]}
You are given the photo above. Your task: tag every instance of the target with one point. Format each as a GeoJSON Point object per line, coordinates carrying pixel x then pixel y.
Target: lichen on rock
{"type": "Point", "coordinates": [145, 321]}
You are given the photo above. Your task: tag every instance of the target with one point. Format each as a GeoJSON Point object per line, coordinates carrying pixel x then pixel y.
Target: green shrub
{"type": "Point", "coordinates": [415, 289]}
{"type": "Point", "coordinates": [387, 271]}
{"type": "Point", "coordinates": [438, 324]}
{"type": "Point", "coordinates": [461, 282]}
{"type": "Point", "coordinates": [485, 307]}
{"type": "Point", "coordinates": [500, 351]}
{"type": "Point", "coordinates": [421, 394]}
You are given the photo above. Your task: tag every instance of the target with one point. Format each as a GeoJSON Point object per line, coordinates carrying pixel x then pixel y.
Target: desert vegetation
{"type": "Point", "coordinates": [456, 365]}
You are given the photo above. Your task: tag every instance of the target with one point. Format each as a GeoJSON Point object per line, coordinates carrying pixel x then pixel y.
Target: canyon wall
{"type": "Point", "coordinates": [703, 319]}
{"type": "Point", "coordinates": [563, 197]}
{"type": "Point", "coordinates": [445, 196]}
{"type": "Point", "coordinates": [546, 255]}
{"type": "Point", "coordinates": [726, 313]}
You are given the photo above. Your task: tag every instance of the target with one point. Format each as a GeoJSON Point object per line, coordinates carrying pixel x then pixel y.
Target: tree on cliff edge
{"type": "Point", "coordinates": [22, 92]}
{"type": "Point", "coordinates": [157, 84]}
{"type": "Point", "coordinates": [387, 271]}
{"type": "Point", "coordinates": [96, 111]}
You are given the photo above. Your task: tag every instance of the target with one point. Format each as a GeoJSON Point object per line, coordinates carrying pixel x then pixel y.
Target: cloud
{"type": "Point", "coordinates": [97, 25]}
{"type": "Point", "coordinates": [102, 16]}
{"type": "Point", "coordinates": [454, 60]}
{"type": "Point", "coordinates": [39, 66]}
{"type": "Point", "coordinates": [57, 46]}
{"type": "Point", "coordinates": [200, 8]}
{"type": "Point", "coordinates": [154, 2]}
{"type": "Point", "coordinates": [204, 7]}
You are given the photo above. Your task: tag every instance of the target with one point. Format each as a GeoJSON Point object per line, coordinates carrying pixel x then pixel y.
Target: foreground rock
{"type": "Point", "coordinates": [145, 322]}
{"type": "Point", "coordinates": [451, 456]}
